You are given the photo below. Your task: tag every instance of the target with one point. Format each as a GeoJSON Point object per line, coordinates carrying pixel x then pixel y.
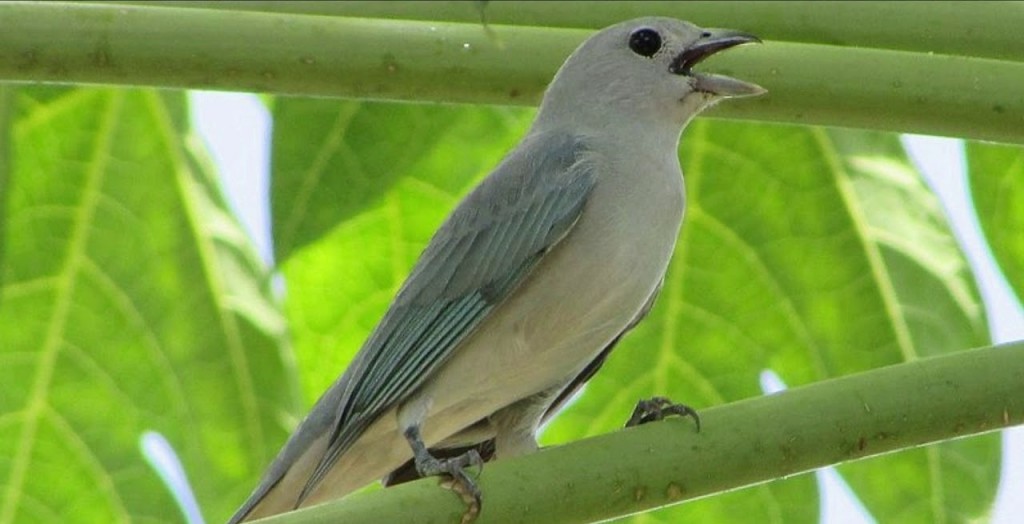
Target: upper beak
{"type": "Point", "coordinates": [713, 41]}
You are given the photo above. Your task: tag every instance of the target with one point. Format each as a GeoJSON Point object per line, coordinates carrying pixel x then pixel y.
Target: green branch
{"type": "Point", "coordinates": [280, 52]}
{"type": "Point", "coordinates": [741, 444]}
{"type": "Point", "coordinates": [955, 28]}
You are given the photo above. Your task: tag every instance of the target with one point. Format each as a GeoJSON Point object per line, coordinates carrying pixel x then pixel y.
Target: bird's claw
{"type": "Point", "coordinates": [457, 479]}
{"type": "Point", "coordinates": [657, 408]}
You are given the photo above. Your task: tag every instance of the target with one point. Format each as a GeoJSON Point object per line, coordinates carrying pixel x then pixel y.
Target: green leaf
{"type": "Point", "coordinates": [843, 260]}
{"type": "Point", "coordinates": [815, 254]}
{"type": "Point", "coordinates": [997, 184]}
{"type": "Point", "coordinates": [332, 160]}
{"type": "Point", "coordinates": [6, 120]}
{"type": "Point", "coordinates": [131, 301]}
{"type": "Point", "coordinates": [381, 179]}
{"type": "Point", "coordinates": [934, 295]}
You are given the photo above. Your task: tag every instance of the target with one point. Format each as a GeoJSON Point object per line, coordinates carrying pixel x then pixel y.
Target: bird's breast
{"type": "Point", "coordinates": [584, 292]}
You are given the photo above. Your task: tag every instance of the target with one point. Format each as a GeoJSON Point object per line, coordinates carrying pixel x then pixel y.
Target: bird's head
{"type": "Point", "coordinates": [644, 69]}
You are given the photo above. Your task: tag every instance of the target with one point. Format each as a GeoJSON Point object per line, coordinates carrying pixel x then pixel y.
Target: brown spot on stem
{"type": "Point", "coordinates": [674, 492]}
{"type": "Point", "coordinates": [100, 56]}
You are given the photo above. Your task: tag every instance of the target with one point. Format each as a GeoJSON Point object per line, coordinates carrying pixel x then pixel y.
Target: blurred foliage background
{"type": "Point", "coordinates": [131, 299]}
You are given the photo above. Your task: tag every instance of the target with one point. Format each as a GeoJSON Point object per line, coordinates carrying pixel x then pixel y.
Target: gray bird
{"type": "Point", "coordinates": [527, 285]}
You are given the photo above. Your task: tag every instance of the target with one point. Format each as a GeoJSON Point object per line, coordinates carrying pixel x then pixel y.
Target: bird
{"type": "Point", "coordinates": [528, 284]}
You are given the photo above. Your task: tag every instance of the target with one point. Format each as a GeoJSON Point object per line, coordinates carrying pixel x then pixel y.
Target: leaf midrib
{"type": "Point", "coordinates": [65, 290]}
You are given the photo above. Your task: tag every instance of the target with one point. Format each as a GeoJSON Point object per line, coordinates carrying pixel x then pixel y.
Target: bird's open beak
{"type": "Point", "coordinates": [715, 40]}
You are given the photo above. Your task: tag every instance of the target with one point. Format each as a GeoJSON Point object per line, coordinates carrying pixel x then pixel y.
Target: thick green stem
{"type": "Point", "coordinates": [741, 444]}
{"type": "Point", "coordinates": [279, 53]}
{"type": "Point", "coordinates": [978, 29]}
{"type": "Point", "coordinates": [450, 62]}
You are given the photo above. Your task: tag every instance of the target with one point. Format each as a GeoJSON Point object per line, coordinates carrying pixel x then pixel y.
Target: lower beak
{"type": "Point", "coordinates": [713, 41]}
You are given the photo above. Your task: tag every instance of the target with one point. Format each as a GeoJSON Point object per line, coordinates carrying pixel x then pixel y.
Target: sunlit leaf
{"type": "Point", "coordinates": [334, 159]}
{"type": "Point", "coordinates": [814, 254]}
{"type": "Point", "coordinates": [997, 185]}
{"type": "Point", "coordinates": [809, 252]}
{"type": "Point", "coordinates": [131, 301]}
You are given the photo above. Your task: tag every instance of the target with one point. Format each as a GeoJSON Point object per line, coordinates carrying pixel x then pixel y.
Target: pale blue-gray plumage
{"type": "Point", "coordinates": [528, 284]}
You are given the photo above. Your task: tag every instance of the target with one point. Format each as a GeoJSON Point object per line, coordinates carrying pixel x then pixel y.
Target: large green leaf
{"type": "Point", "coordinates": [813, 253]}
{"type": "Point", "coordinates": [997, 184]}
{"type": "Point", "coordinates": [934, 296]}
{"type": "Point", "coordinates": [131, 301]}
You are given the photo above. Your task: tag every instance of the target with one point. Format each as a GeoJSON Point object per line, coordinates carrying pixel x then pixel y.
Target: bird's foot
{"type": "Point", "coordinates": [453, 471]}
{"type": "Point", "coordinates": [657, 408]}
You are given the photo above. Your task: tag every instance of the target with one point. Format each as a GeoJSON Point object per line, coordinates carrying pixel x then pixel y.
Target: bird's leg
{"type": "Point", "coordinates": [428, 465]}
{"type": "Point", "coordinates": [657, 408]}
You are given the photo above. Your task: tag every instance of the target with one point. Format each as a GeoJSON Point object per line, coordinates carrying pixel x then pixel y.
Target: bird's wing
{"type": "Point", "coordinates": [487, 246]}
{"type": "Point", "coordinates": [486, 449]}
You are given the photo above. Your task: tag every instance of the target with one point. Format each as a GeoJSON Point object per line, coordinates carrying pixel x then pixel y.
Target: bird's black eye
{"type": "Point", "coordinates": [645, 42]}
